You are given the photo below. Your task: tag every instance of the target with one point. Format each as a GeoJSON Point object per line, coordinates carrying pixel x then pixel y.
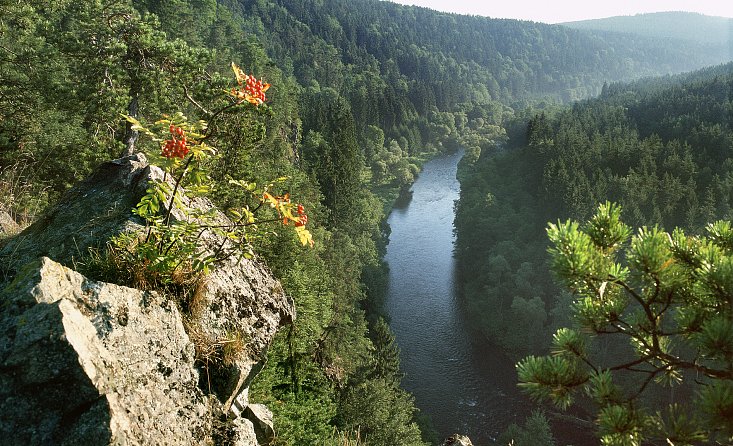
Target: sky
{"type": "Point", "coordinates": [556, 11]}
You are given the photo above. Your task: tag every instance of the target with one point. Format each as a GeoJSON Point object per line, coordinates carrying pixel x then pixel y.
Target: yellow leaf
{"type": "Point", "coordinates": [304, 236]}
{"type": "Point", "coordinates": [240, 75]}
{"type": "Point", "coordinates": [269, 198]}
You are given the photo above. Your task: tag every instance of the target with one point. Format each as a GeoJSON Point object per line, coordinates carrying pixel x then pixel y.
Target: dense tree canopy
{"type": "Point", "coordinates": [662, 148]}
{"type": "Point", "coordinates": [363, 92]}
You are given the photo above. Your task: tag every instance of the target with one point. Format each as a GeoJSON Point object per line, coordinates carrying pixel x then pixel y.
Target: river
{"type": "Point", "coordinates": [464, 385]}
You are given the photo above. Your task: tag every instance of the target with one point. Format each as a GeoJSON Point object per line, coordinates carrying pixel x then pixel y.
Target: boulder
{"type": "Point", "coordinates": [85, 217]}
{"type": "Point", "coordinates": [457, 440]}
{"type": "Point", "coordinates": [239, 296]}
{"type": "Point", "coordinates": [86, 362]}
{"type": "Point", "coordinates": [261, 419]}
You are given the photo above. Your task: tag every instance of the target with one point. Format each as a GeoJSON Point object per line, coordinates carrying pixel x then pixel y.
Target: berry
{"type": "Point", "coordinates": [177, 146]}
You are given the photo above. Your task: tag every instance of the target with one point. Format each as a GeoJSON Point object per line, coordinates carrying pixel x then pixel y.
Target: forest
{"type": "Point", "coordinates": [361, 94]}
{"type": "Point", "coordinates": [660, 148]}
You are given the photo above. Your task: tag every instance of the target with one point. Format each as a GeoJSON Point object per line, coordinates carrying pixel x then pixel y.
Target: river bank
{"type": "Point", "coordinates": [463, 385]}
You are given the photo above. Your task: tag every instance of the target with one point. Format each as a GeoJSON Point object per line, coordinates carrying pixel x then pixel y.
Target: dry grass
{"type": "Point", "coordinates": [19, 196]}
{"type": "Point", "coordinates": [347, 439]}
{"type": "Point", "coordinates": [119, 262]}
{"type": "Point", "coordinates": [215, 354]}
{"type": "Point", "coordinates": [225, 350]}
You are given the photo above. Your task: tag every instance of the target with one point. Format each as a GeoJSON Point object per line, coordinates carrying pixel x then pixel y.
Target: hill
{"type": "Point", "coordinates": [679, 25]}
{"type": "Point", "coordinates": [659, 147]}
{"type": "Point", "coordinates": [450, 58]}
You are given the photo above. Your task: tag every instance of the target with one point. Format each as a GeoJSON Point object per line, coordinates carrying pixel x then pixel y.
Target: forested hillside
{"type": "Point", "coordinates": [361, 93]}
{"type": "Point", "coordinates": [714, 31]}
{"type": "Point", "coordinates": [447, 59]}
{"type": "Point", "coordinates": [661, 148]}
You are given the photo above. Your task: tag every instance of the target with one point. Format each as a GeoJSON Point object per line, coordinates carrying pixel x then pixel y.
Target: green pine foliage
{"type": "Point", "coordinates": [660, 148]}
{"type": "Point", "coordinates": [534, 432]}
{"type": "Point", "coordinates": [668, 296]}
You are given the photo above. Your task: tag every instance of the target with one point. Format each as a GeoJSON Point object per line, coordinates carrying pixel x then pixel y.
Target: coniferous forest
{"type": "Point", "coordinates": [555, 122]}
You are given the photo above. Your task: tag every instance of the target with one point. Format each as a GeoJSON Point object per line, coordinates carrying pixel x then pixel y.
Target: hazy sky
{"type": "Point", "coordinates": [554, 11]}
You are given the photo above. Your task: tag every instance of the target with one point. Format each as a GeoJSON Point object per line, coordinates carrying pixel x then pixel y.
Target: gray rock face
{"type": "Point", "coordinates": [457, 440]}
{"type": "Point", "coordinates": [86, 216]}
{"type": "Point", "coordinates": [77, 355]}
{"type": "Point", "coordinates": [261, 418]}
{"type": "Point", "coordinates": [84, 362]}
{"type": "Point", "coordinates": [7, 224]}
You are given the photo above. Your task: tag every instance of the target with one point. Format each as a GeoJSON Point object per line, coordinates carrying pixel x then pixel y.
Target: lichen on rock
{"type": "Point", "coordinates": [88, 362]}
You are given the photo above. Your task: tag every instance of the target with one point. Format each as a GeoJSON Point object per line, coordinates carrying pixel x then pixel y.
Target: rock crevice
{"type": "Point", "coordinates": [88, 362]}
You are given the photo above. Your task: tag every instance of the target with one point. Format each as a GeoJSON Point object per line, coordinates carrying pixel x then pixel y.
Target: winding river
{"type": "Point", "coordinates": [464, 385]}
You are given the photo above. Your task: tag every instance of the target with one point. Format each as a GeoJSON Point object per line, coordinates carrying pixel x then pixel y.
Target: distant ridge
{"type": "Point", "coordinates": [689, 26]}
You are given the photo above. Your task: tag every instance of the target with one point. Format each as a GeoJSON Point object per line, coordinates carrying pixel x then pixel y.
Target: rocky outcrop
{"type": "Point", "coordinates": [84, 362]}
{"type": "Point", "coordinates": [86, 216]}
{"type": "Point", "coordinates": [457, 440]}
{"type": "Point", "coordinates": [8, 226]}
{"type": "Point", "coordinates": [82, 359]}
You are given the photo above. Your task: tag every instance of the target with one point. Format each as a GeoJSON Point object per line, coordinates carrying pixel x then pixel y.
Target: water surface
{"type": "Point", "coordinates": [464, 384]}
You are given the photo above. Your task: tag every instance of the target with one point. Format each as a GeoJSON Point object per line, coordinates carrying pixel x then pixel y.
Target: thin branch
{"type": "Point", "coordinates": [673, 361]}
{"type": "Point", "coordinates": [218, 112]}
{"type": "Point", "coordinates": [648, 381]}
{"type": "Point", "coordinates": [242, 225]}
{"type": "Point", "coordinates": [193, 101]}
{"type": "Point", "coordinates": [175, 190]}
{"type": "Point", "coordinates": [667, 304]}
{"type": "Point", "coordinates": [642, 360]}
{"type": "Point", "coordinates": [636, 296]}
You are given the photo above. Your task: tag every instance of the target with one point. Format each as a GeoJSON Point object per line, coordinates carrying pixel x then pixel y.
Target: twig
{"type": "Point", "coordinates": [193, 101]}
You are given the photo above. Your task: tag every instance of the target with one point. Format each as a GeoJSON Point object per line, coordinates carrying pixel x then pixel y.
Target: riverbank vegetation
{"type": "Point", "coordinates": [660, 148]}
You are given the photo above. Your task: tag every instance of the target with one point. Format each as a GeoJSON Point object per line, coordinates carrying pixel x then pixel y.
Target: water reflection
{"type": "Point", "coordinates": [464, 386]}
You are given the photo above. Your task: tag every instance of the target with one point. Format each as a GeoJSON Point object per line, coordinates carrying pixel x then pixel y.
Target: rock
{"type": "Point", "coordinates": [86, 216]}
{"type": "Point", "coordinates": [240, 296]}
{"type": "Point", "coordinates": [457, 440]}
{"type": "Point", "coordinates": [261, 418]}
{"type": "Point", "coordinates": [241, 432]}
{"type": "Point", "coordinates": [85, 362]}
{"type": "Point", "coordinates": [8, 226]}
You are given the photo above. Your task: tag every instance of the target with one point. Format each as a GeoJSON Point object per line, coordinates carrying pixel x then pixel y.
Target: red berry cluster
{"type": "Point", "coordinates": [250, 88]}
{"type": "Point", "coordinates": [177, 145]}
{"type": "Point", "coordinates": [303, 220]}
{"type": "Point", "coordinates": [255, 89]}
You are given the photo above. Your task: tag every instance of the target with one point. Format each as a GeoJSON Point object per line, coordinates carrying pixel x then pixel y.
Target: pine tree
{"type": "Point", "coordinates": [671, 297]}
{"type": "Point", "coordinates": [386, 353]}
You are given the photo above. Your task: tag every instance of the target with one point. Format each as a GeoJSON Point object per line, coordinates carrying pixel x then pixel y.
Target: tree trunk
{"type": "Point", "coordinates": [131, 135]}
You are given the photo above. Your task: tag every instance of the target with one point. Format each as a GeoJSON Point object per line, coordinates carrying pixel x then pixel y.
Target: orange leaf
{"type": "Point", "coordinates": [240, 75]}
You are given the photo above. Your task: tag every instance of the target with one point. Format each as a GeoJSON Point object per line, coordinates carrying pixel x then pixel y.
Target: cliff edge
{"type": "Point", "coordinates": [88, 362]}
